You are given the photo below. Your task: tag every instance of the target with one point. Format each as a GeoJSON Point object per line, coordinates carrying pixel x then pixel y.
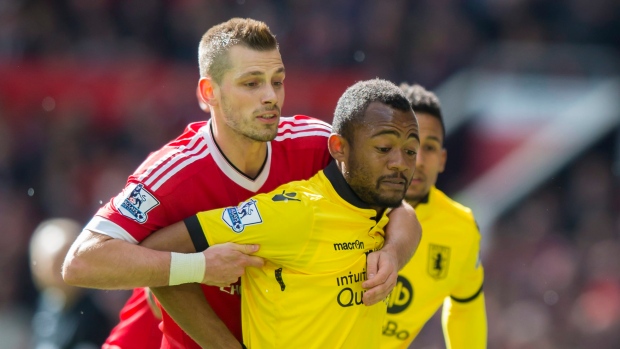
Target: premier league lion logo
{"type": "Point", "coordinates": [137, 203]}
{"type": "Point", "coordinates": [244, 214]}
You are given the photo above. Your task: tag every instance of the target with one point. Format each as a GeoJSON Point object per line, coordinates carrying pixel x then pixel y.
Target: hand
{"type": "Point", "coordinates": [382, 271]}
{"type": "Point", "coordinates": [225, 263]}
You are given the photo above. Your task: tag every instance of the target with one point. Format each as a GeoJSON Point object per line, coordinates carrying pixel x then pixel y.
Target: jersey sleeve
{"type": "Point", "coordinates": [155, 195]}
{"type": "Point", "coordinates": [464, 316]}
{"type": "Point", "coordinates": [281, 225]}
{"type": "Point", "coordinates": [472, 278]}
{"type": "Point", "coordinates": [465, 324]}
{"type": "Point", "coordinates": [132, 215]}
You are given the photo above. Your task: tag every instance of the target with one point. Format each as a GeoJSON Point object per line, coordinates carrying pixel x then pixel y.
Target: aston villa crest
{"type": "Point", "coordinates": [438, 261]}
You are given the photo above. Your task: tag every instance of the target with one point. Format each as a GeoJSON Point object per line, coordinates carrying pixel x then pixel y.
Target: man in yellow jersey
{"type": "Point", "coordinates": [446, 267]}
{"type": "Point", "coordinates": [315, 234]}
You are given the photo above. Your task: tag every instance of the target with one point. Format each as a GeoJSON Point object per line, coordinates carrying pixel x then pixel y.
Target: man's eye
{"type": "Point", "coordinates": [411, 152]}
{"type": "Point", "coordinates": [383, 149]}
{"type": "Point", "coordinates": [429, 147]}
{"type": "Point", "coordinates": [278, 83]}
{"type": "Point", "coordinates": [251, 84]}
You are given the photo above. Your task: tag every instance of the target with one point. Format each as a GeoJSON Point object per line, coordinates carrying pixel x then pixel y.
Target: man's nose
{"type": "Point", "coordinates": [270, 96]}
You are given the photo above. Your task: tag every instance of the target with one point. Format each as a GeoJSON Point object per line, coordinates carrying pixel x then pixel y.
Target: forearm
{"type": "Point", "coordinates": [403, 234]}
{"type": "Point", "coordinates": [99, 261]}
{"type": "Point", "coordinates": [465, 324]}
{"type": "Point", "coordinates": [189, 309]}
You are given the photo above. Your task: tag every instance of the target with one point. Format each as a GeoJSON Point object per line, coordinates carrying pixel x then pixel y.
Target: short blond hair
{"type": "Point", "coordinates": [213, 49]}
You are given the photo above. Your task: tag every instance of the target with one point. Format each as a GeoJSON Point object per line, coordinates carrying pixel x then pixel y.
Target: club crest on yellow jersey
{"type": "Point", "coordinates": [438, 261]}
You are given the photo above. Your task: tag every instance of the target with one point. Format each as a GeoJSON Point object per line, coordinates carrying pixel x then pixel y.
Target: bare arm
{"type": "Point", "coordinates": [225, 263]}
{"type": "Point", "coordinates": [186, 303]}
{"type": "Point", "coordinates": [188, 307]}
{"type": "Point", "coordinates": [403, 234]}
{"type": "Point", "coordinates": [99, 261]}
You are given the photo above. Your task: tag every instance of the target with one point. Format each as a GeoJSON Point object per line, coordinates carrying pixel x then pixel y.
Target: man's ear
{"type": "Point", "coordinates": [338, 147]}
{"type": "Point", "coordinates": [206, 91]}
{"type": "Point", "coordinates": [201, 101]}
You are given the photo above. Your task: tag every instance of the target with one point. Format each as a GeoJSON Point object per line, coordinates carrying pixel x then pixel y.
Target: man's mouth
{"type": "Point", "coordinates": [267, 116]}
{"type": "Point", "coordinates": [397, 183]}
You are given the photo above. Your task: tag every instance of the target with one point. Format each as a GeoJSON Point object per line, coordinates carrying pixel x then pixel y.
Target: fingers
{"type": "Point", "coordinates": [372, 266]}
{"type": "Point", "coordinates": [380, 292]}
{"type": "Point", "coordinates": [253, 261]}
{"type": "Point", "coordinates": [385, 275]}
{"type": "Point", "coordinates": [247, 249]}
{"type": "Point", "coordinates": [225, 263]}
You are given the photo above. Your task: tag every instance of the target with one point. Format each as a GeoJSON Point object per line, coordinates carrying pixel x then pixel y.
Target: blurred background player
{"type": "Point", "coordinates": [446, 267]}
{"type": "Point", "coordinates": [66, 317]}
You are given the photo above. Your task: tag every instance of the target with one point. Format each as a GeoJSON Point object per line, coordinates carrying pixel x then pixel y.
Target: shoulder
{"type": "Point", "coordinates": [453, 211]}
{"type": "Point", "coordinates": [296, 194]}
{"type": "Point", "coordinates": [302, 128]}
{"type": "Point", "coordinates": [175, 162]}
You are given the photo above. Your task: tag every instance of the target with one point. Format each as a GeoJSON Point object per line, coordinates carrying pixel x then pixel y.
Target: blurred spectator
{"type": "Point", "coordinates": [66, 317]}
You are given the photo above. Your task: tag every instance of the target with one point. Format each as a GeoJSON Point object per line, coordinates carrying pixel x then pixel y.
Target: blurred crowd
{"type": "Point", "coordinates": [553, 262]}
{"type": "Point", "coordinates": [553, 267]}
{"type": "Point", "coordinates": [399, 39]}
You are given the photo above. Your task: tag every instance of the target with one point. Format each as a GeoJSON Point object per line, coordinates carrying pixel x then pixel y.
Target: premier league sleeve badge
{"type": "Point", "coordinates": [135, 202]}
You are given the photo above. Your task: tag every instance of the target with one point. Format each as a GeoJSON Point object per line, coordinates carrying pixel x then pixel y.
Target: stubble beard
{"type": "Point", "coordinates": [245, 128]}
{"type": "Point", "coordinates": [368, 190]}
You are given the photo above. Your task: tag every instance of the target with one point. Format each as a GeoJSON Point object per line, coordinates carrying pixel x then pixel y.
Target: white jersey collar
{"type": "Point", "coordinates": [229, 170]}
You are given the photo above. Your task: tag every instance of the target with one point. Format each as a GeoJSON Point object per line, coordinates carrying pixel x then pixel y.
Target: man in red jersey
{"type": "Point", "coordinates": [246, 148]}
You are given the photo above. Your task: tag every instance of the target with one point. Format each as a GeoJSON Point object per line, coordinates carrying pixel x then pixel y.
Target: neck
{"type": "Point", "coordinates": [380, 211]}
{"type": "Point", "coordinates": [414, 203]}
{"type": "Point", "coordinates": [247, 155]}
{"type": "Point", "coordinates": [418, 200]}
{"type": "Point", "coordinates": [336, 172]}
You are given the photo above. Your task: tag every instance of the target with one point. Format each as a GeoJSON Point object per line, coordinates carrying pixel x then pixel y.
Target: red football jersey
{"type": "Point", "coordinates": [186, 176]}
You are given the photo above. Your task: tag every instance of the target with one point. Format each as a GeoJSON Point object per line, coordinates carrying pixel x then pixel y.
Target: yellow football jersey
{"type": "Point", "coordinates": [315, 236]}
{"type": "Point", "coordinates": [446, 267]}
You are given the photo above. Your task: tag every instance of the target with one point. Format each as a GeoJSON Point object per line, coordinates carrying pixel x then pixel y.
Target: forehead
{"type": "Point", "coordinates": [429, 125]}
{"type": "Point", "coordinates": [379, 116]}
{"type": "Point", "coordinates": [244, 59]}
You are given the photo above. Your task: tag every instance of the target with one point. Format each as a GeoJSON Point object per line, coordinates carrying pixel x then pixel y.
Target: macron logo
{"type": "Point", "coordinates": [345, 246]}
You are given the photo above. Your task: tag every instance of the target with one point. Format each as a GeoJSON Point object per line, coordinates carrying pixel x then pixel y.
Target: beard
{"type": "Point", "coordinates": [367, 188]}
{"type": "Point", "coordinates": [245, 127]}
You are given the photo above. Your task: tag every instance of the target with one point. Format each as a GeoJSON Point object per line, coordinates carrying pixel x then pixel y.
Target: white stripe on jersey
{"type": "Point", "coordinates": [183, 153]}
{"type": "Point", "coordinates": [157, 163]}
{"type": "Point", "coordinates": [166, 157]}
{"type": "Point", "coordinates": [189, 160]}
{"type": "Point", "coordinates": [296, 128]}
{"type": "Point", "coordinates": [106, 227]}
{"type": "Point", "coordinates": [291, 119]}
{"type": "Point", "coordinates": [302, 134]}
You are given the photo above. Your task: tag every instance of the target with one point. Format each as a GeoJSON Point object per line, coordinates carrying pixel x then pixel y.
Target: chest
{"type": "Point", "coordinates": [213, 188]}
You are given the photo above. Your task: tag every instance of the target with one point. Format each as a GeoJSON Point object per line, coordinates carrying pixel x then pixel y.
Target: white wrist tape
{"type": "Point", "coordinates": [186, 268]}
